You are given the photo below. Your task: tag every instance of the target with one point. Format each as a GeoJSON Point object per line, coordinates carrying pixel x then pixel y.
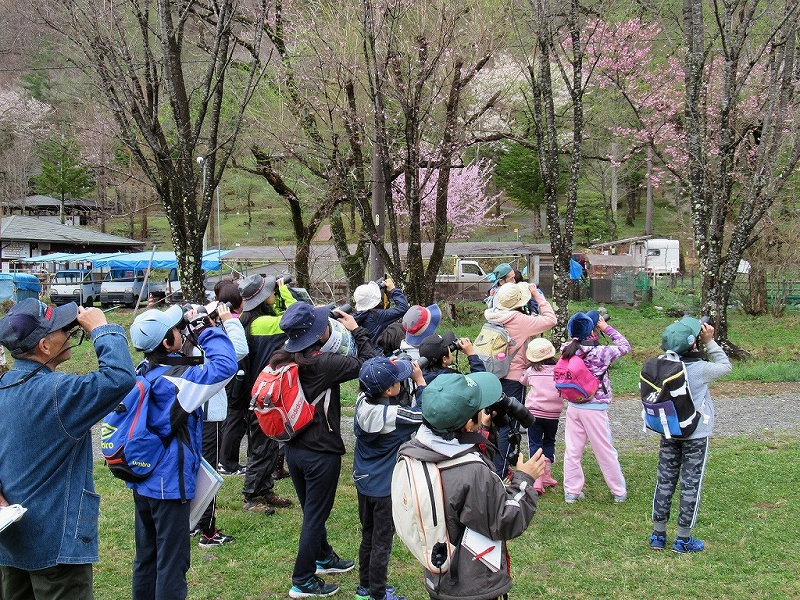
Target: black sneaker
{"type": "Point", "coordinates": [312, 588]}
{"type": "Point", "coordinates": [334, 565]}
{"type": "Point", "coordinates": [240, 470]}
{"type": "Point", "coordinates": [218, 539]}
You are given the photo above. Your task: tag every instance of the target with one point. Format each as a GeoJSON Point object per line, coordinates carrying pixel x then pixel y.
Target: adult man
{"type": "Point", "coordinates": [474, 496]}
{"type": "Point", "coordinates": [46, 446]}
{"type": "Point", "coordinates": [177, 395]}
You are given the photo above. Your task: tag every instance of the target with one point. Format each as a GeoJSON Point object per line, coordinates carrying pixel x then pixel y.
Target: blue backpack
{"type": "Point", "coordinates": [130, 448]}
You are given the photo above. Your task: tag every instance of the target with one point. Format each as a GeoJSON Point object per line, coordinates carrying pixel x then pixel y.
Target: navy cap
{"type": "Point", "coordinates": [580, 326]}
{"type": "Point", "coordinates": [380, 373]}
{"type": "Point", "coordinates": [304, 325]}
{"type": "Point", "coordinates": [30, 320]}
{"type": "Point", "coordinates": [435, 347]}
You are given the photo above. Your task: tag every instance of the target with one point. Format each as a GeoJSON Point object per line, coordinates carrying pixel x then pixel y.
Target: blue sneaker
{"type": "Point", "coordinates": [688, 545]}
{"type": "Point", "coordinates": [362, 593]}
{"type": "Point", "coordinates": [314, 587]}
{"type": "Point", "coordinates": [334, 565]}
{"type": "Point", "coordinates": [658, 541]}
{"type": "Point", "coordinates": [573, 498]}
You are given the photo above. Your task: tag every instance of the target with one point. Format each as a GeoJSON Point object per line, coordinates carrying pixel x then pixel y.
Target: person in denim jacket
{"type": "Point", "coordinates": [46, 461]}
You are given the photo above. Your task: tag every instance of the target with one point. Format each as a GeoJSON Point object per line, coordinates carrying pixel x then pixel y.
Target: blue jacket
{"type": "Point", "coordinates": [191, 386]}
{"type": "Point", "coordinates": [46, 453]}
{"type": "Point", "coordinates": [380, 430]}
{"type": "Point", "coordinates": [375, 320]}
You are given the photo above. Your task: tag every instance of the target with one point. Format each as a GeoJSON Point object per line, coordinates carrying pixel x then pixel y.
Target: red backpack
{"type": "Point", "coordinates": [574, 381]}
{"type": "Point", "coordinates": [280, 404]}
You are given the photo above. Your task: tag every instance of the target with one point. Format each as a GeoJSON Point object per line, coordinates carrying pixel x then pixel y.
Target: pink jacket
{"type": "Point", "coordinates": [542, 399]}
{"type": "Point", "coordinates": [522, 328]}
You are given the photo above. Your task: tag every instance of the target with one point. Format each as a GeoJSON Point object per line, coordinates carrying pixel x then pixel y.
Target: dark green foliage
{"type": "Point", "coordinates": [64, 175]}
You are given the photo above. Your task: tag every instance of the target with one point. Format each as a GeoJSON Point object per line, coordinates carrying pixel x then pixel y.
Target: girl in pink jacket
{"type": "Point", "coordinates": [589, 421]}
{"type": "Point", "coordinates": [509, 311]}
{"type": "Point", "coordinates": [544, 402]}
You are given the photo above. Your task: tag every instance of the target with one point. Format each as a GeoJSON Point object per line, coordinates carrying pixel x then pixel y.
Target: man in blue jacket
{"type": "Point", "coordinates": [175, 414]}
{"type": "Point", "coordinates": [46, 446]}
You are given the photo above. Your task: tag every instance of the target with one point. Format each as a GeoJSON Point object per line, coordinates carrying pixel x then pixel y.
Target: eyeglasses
{"type": "Point", "coordinates": [75, 334]}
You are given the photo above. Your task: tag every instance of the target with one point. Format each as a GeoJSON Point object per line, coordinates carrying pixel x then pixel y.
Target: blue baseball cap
{"type": "Point", "coordinates": [380, 373]}
{"type": "Point", "coordinates": [30, 320]}
{"type": "Point", "coordinates": [150, 328]}
{"type": "Point", "coordinates": [304, 325]}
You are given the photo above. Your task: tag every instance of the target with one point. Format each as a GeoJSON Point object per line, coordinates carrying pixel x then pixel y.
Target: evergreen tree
{"type": "Point", "coordinates": [64, 175]}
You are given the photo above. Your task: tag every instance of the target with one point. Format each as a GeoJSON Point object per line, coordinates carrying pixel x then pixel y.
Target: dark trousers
{"type": "Point", "coordinates": [315, 476]}
{"type": "Point", "coordinates": [61, 582]}
{"type": "Point", "coordinates": [162, 549]}
{"type": "Point", "coordinates": [683, 460]}
{"type": "Point", "coordinates": [262, 456]}
{"type": "Point", "coordinates": [377, 530]}
{"type": "Point", "coordinates": [211, 452]}
{"type": "Point", "coordinates": [543, 435]}
{"type": "Point", "coordinates": [234, 428]}
{"type": "Point", "coordinates": [512, 389]}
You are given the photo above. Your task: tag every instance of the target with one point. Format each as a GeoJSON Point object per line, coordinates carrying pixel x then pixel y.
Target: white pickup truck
{"type": "Point", "coordinates": [461, 279]}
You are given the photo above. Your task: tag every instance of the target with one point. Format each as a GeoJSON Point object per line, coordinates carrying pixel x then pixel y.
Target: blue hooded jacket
{"type": "Point", "coordinates": [191, 386]}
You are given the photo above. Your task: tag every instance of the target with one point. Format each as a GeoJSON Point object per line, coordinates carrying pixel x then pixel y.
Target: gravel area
{"type": "Point", "coordinates": [757, 410]}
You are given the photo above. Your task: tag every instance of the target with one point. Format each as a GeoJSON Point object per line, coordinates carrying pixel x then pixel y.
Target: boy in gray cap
{"type": "Point", "coordinates": [684, 459]}
{"type": "Point", "coordinates": [52, 548]}
{"type": "Point", "coordinates": [474, 496]}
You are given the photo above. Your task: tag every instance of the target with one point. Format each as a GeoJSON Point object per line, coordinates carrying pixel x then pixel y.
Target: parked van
{"type": "Point", "coordinates": [81, 286]}
{"type": "Point", "coordinates": [122, 286]}
{"type": "Point", "coordinates": [663, 256]}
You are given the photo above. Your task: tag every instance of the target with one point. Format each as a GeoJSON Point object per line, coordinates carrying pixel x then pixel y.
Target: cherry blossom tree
{"type": "Point", "coordinates": [721, 114]}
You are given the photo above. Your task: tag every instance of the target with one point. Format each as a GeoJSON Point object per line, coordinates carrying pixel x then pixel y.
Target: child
{"type": "Point", "coordinates": [684, 459]}
{"type": "Point", "coordinates": [589, 421]}
{"type": "Point", "coordinates": [385, 418]}
{"type": "Point", "coordinates": [544, 403]}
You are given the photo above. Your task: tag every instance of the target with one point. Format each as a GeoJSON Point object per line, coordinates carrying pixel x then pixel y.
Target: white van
{"type": "Point", "coordinates": [81, 286]}
{"type": "Point", "coordinates": [122, 286]}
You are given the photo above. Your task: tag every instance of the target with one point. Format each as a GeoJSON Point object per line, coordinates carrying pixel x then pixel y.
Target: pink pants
{"type": "Point", "coordinates": [592, 425]}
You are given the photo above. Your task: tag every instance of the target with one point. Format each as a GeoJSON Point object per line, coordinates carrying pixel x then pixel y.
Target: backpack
{"type": "Point", "coordinates": [131, 450]}
{"type": "Point", "coordinates": [280, 404]}
{"type": "Point", "coordinates": [574, 381]}
{"type": "Point", "coordinates": [418, 509]}
{"type": "Point", "coordinates": [492, 347]}
{"type": "Point", "coordinates": [667, 404]}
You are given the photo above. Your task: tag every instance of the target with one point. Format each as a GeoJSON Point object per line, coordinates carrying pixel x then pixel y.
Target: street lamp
{"type": "Point", "coordinates": [202, 161]}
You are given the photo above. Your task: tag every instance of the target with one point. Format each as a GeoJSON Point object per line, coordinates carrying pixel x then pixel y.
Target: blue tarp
{"type": "Point", "coordinates": [19, 286]}
{"type": "Point", "coordinates": [135, 260]}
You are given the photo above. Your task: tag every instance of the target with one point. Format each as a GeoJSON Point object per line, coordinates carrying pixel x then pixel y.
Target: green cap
{"type": "Point", "coordinates": [681, 336]}
{"type": "Point", "coordinates": [450, 400]}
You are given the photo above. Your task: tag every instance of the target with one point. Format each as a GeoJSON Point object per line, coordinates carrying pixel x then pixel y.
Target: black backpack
{"type": "Point", "coordinates": [667, 404]}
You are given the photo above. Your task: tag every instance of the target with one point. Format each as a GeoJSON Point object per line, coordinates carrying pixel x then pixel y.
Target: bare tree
{"type": "Point", "coordinates": [167, 78]}
{"type": "Point", "coordinates": [744, 144]}
{"type": "Point", "coordinates": [558, 31]}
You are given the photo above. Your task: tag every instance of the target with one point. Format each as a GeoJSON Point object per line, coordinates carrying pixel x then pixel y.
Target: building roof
{"type": "Point", "coordinates": [321, 251]}
{"type": "Point", "coordinates": [39, 201]}
{"type": "Point", "coordinates": [17, 228]}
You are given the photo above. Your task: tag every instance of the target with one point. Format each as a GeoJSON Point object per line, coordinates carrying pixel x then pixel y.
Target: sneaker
{"type": "Point", "coordinates": [658, 541]}
{"type": "Point", "coordinates": [240, 470]}
{"type": "Point", "coordinates": [312, 588]}
{"type": "Point", "coordinates": [573, 498]}
{"type": "Point", "coordinates": [334, 565]}
{"type": "Point", "coordinates": [362, 593]}
{"type": "Point", "coordinates": [218, 539]}
{"type": "Point", "coordinates": [258, 505]}
{"type": "Point", "coordinates": [621, 498]}
{"type": "Point", "coordinates": [195, 532]}
{"type": "Point", "coordinates": [275, 500]}
{"type": "Point", "coordinates": [685, 545]}
{"type": "Point", "coordinates": [390, 596]}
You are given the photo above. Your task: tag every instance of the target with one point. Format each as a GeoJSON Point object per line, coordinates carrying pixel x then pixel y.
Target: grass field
{"type": "Point", "coordinates": [594, 549]}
